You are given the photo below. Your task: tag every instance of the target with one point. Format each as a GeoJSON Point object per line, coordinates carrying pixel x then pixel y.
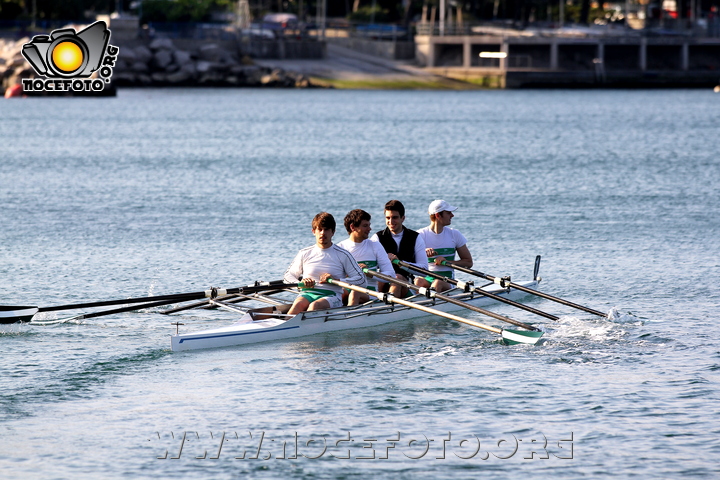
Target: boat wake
{"type": "Point", "coordinates": [595, 329]}
{"type": "Point", "coordinates": [12, 329]}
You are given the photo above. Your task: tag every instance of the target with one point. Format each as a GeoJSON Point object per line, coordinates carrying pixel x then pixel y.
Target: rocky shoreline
{"type": "Point", "coordinates": [160, 63]}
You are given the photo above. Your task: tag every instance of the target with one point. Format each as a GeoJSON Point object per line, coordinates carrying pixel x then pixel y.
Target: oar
{"type": "Point", "coordinates": [476, 290]}
{"type": "Point", "coordinates": [510, 337]}
{"type": "Point", "coordinates": [433, 294]}
{"type": "Point", "coordinates": [278, 284]}
{"type": "Point", "coordinates": [109, 312]}
{"type": "Point", "coordinates": [506, 283]}
{"type": "Point", "coordinates": [25, 313]}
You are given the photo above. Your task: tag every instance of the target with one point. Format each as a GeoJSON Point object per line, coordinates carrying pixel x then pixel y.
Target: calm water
{"type": "Point", "coordinates": [170, 191]}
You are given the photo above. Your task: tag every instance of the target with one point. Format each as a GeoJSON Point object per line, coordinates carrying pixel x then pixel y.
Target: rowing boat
{"type": "Point", "coordinates": [269, 324]}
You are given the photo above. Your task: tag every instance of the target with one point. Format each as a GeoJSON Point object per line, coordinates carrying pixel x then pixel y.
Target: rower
{"type": "Point", "coordinates": [400, 243]}
{"type": "Point", "coordinates": [442, 243]}
{"type": "Point", "coordinates": [370, 255]}
{"type": "Point", "coordinates": [314, 265]}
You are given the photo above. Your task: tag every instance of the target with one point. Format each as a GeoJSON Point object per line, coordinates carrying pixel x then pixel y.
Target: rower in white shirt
{"type": "Point", "coordinates": [314, 265]}
{"type": "Point", "coordinates": [442, 243]}
{"type": "Point", "coordinates": [370, 255]}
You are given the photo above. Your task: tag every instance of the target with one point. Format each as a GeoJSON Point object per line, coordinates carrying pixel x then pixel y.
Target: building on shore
{"type": "Point", "coordinates": [580, 57]}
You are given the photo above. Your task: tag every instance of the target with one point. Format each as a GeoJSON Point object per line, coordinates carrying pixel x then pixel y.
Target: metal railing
{"type": "Point", "coordinates": [709, 27]}
{"type": "Point", "coordinates": [369, 31]}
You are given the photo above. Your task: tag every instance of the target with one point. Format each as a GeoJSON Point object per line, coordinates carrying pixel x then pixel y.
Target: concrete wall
{"type": "Point", "coordinates": [283, 49]}
{"type": "Point", "coordinates": [398, 50]}
{"type": "Point", "coordinates": [547, 61]}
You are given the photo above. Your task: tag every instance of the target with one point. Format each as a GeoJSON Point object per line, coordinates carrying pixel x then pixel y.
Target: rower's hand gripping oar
{"type": "Point", "coordinates": [433, 294]}
{"type": "Point", "coordinates": [480, 291]}
{"type": "Point", "coordinates": [506, 283]}
{"type": "Point", "coordinates": [510, 337]}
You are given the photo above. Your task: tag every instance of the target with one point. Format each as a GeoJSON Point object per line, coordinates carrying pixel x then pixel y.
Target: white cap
{"type": "Point", "coordinates": [438, 206]}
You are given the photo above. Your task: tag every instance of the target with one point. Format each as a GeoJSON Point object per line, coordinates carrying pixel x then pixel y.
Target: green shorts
{"type": "Point", "coordinates": [444, 273]}
{"type": "Point", "coordinates": [313, 294]}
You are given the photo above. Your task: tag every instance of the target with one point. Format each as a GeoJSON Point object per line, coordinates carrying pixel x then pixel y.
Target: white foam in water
{"type": "Point", "coordinates": [11, 328]}
{"type": "Point", "coordinates": [575, 327]}
{"type": "Point", "coordinates": [615, 316]}
{"type": "Point", "coordinates": [52, 318]}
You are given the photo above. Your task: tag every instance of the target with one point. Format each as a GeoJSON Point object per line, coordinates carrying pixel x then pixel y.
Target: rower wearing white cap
{"type": "Point", "coordinates": [442, 243]}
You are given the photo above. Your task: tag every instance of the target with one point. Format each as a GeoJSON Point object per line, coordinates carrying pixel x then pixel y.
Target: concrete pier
{"type": "Point", "coordinates": [540, 61]}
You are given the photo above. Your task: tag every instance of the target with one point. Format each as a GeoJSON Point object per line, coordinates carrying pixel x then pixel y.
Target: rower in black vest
{"type": "Point", "coordinates": [406, 252]}
{"type": "Point", "coordinates": [400, 242]}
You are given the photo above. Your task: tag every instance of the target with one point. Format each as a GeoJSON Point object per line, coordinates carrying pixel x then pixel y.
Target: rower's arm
{"type": "Point", "coordinates": [465, 258]}
{"type": "Point", "coordinates": [420, 253]}
{"type": "Point", "coordinates": [295, 271]}
{"type": "Point", "coordinates": [355, 275]}
{"type": "Point", "coordinates": [383, 261]}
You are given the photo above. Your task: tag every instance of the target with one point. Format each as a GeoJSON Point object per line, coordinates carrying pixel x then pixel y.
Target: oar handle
{"type": "Point", "coordinates": [524, 289]}
{"type": "Point", "coordinates": [454, 301]}
{"type": "Point", "coordinates": [392, 299]}
{"type": "Point", "coordinates": [476, 290]}
{"type": "Point", "coordinates": [230, 299]}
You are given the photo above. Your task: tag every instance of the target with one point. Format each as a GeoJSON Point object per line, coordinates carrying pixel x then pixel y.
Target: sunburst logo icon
{"type": "Point", "coordinates": [66, 54]}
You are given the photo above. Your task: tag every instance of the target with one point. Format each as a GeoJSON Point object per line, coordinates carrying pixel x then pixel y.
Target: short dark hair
{"type": "Point", "coordinates": [324, 220]}
{"type": "Point", "coordinates": [397, 206]}
{"type": "Point", "coordinates": [354, 218]}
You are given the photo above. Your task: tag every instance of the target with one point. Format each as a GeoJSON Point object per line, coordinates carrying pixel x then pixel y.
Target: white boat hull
{"type": "Point", "coordinates": [247, 330]}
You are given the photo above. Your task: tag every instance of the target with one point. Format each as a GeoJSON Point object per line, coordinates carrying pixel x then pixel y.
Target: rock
{"type": "Point", "coordinates": [120, 65]}
{"type": "Point", "coordinates": [144, 79]}
{"type": "Point", "coordinates": [18, 74]}
{"type": "Point", "coordinates": [189, 68]}
{"type": "Point", "coordinates": [162, 59]}
{"type": "Point", "coordinates": [253, 76]}
{"type": "Point", "coordinates": [241, 69]}
{"type": "Point", "coordinates": [124, 78]}
{"type": "Point", "coordinates": [211, 52]}
{"type": "Point", "coordinates": [181, 57]}
{"type": "Point", "coordinates": [128, 55]}
{"type": "Point", "coordinates": [211, 78]}
{"type": "Point", "coordinates": [6, 72]}
{"type": "Point", "coordinates": [179, 77]}
{"type": "Point", "coordinates": [203, 66]}
{"type": "Point", "coordinates": [12, 49]}
{"type": "Point", "coordinates": [160, 63]}
{"type": "Point", "coordinates": [140, 67]}
{"type": "Point", "coordinates": [161, 44]}
{"type": "Point", "coordinates": [17, 60]}
{"type": "Point", "coordinates": [232, 81]}
{"type": "Point", "coordinates": [159, 77]}
{"type": "Point", "coordinates": [142, 54]}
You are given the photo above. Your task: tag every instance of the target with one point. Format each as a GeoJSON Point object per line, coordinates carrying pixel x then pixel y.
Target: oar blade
{"type": "Point", "coordinates": [13, 314]}
{"type": "Point", "coordinates": [515, 337]}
